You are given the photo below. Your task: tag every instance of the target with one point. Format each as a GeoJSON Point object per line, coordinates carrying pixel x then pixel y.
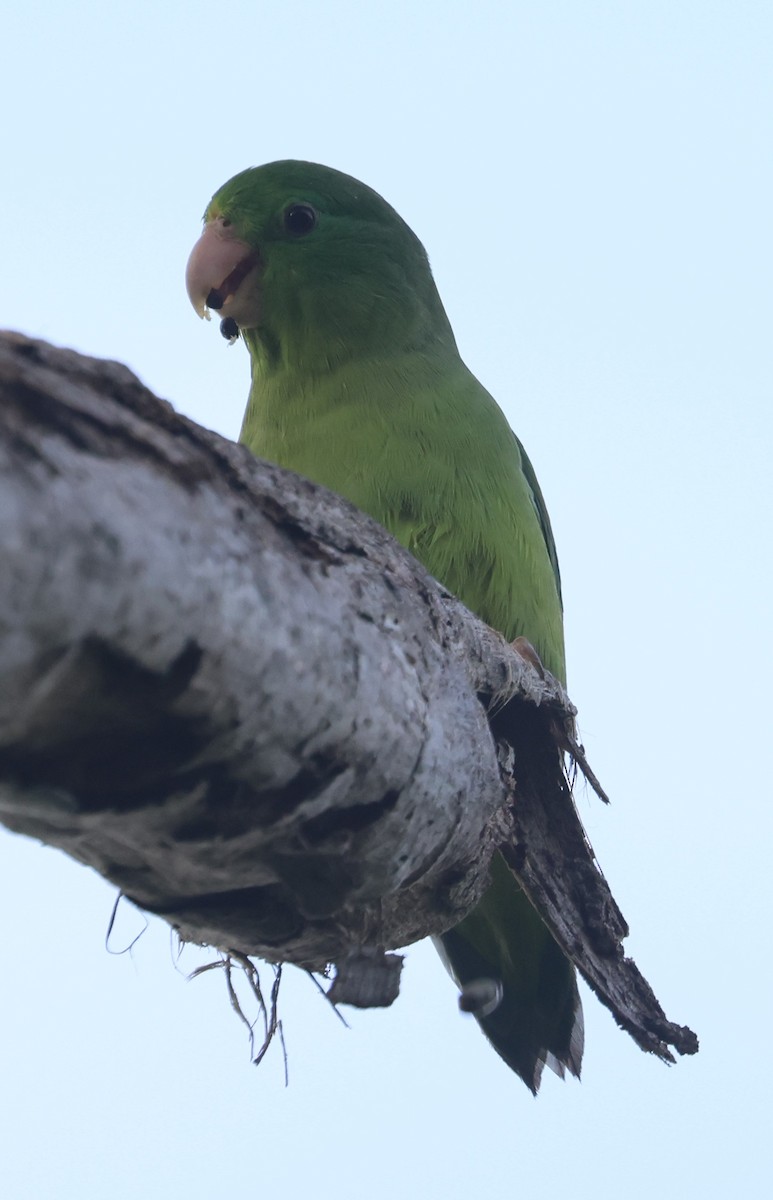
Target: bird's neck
{"type": "Point", "coordinates": [295, 406]}
{"type": "Point", "coordinates": [326, 422]}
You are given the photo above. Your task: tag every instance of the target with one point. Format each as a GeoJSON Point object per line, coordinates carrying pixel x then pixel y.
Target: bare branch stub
{"type": "Point", "coordinates": [367, 978]}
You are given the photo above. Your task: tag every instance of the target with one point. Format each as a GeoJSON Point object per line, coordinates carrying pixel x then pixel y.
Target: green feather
{"type": "Point", "coordinates": [357, 384]}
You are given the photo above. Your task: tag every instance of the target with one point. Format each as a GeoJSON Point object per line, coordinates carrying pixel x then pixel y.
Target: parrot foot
{"type": "Point", "coordinates": [526, 651]}
{"type": "Point", "coordinates": [480, 997]}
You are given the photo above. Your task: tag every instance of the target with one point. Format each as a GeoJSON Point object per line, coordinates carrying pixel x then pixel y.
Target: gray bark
{"type": "Point", "coordinates": [240, 700]}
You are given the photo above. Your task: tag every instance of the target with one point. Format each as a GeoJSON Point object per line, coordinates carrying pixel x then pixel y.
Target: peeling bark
{"type": "Point", "coordinates": [241, 701]}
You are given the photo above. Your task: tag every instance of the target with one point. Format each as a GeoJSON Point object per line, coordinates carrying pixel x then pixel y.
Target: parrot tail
{"type": "Point", "coordinates": [539, 1018]}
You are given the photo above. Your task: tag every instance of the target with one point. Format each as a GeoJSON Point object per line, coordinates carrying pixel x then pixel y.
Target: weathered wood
{"type": "Point", "coordinates": [241, 701]}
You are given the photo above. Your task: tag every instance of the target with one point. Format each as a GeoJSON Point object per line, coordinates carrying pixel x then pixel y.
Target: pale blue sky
{"type": "Point", "coordinates": [593, 182]}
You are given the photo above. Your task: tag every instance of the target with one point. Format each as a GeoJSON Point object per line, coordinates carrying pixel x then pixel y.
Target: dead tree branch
{"type": "Point", "coordinates": [240, 700]}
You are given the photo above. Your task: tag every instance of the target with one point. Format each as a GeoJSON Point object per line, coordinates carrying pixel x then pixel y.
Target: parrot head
{"type": "Point", "coordinates": [307, 262]}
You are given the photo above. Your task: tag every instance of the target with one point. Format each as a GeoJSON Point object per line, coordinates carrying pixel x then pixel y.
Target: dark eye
{"type": "Point", "coordinates": [300, 219]}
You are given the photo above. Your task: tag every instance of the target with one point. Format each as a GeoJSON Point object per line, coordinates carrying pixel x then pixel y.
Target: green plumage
{"type": "Point", "coordinates": [357, 384]}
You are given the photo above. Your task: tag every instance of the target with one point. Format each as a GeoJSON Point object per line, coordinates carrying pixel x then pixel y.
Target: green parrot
{"type": "Point", "coordinates": [357, 384]}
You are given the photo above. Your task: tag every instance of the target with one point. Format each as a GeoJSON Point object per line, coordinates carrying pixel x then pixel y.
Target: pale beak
{"type": "Point", "coordinates": [218, 265]}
